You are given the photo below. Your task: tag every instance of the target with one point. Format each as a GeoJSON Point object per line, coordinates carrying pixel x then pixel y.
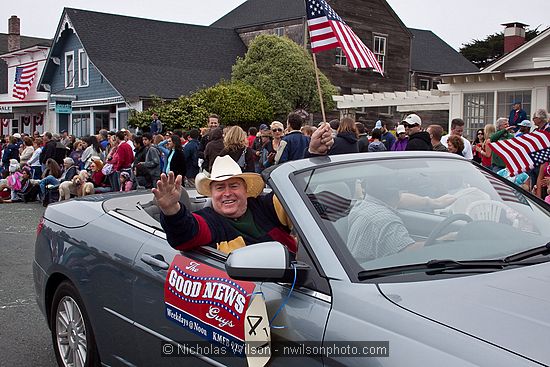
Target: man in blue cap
{"type": "Point", "coordinates": [517, 115]}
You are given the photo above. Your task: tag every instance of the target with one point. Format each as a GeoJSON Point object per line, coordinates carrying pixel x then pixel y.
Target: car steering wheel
{"type": "Point", "coordinates": [439, 229]}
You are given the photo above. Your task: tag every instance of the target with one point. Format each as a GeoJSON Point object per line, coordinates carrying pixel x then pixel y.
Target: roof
{"type": "Point", "coordinates": [26, 42]}
{"type": "Point", "coordinates": [255, 12]}
{"type": "Point", "coordinates": [518, 51]}
{"type": "Point", "coordinates": [433, 55]}
{"type": "Point", "coordinates": [258, 12]}
{"type": "Point", "coordinates": [132, 57]}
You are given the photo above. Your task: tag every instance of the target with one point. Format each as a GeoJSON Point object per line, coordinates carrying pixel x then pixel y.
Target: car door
{"type": "Point", "coordinates": [302, 319]}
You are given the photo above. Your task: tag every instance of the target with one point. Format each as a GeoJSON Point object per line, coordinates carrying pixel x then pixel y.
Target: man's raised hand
{"type": "Point", "coordinates": [168, 193]}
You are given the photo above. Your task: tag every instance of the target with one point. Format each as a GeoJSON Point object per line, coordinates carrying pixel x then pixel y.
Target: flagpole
{"type": "Point", "coordinates": [319, 87]}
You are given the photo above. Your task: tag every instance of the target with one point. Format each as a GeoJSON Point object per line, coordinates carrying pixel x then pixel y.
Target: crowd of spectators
{"type": "Point", "coordinates": [53, 166]}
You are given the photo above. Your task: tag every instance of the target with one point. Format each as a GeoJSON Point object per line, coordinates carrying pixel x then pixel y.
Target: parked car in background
{"type": "Point", "coordinates": [428, 257]}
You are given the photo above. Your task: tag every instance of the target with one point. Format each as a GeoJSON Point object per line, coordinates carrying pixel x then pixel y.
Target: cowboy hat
{"type": "Point", "coordinates": [225, 168]}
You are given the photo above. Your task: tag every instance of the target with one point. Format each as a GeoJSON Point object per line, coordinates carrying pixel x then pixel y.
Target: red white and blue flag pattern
{"type": "Point", "coordinates": [24, 77]}
{"type": "Point", "coordinates": [327, 30]}
{"type": "Point", "coordinates": [522, 153]}
{"type": "Point", "coordinates": [207, 302]}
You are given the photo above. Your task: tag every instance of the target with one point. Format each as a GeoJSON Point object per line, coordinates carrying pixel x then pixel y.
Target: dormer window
{"type": "Point", "coordinates": [69, 69]}
{"type": "Point", "coordinates": [83, 69]}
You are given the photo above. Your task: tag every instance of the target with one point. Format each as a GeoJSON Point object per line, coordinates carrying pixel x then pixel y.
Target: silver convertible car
{"type": "Point", "coordinates": [404, 259]}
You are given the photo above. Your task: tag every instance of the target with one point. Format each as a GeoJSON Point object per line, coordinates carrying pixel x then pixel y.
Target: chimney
{"type": "Point", "coordinates": [14, 35]}
{"type": "Point", "coordinates": [514, 36]}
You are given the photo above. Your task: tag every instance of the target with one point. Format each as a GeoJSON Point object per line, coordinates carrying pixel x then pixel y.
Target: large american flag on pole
{"type": "Point", "coordinates": [327, 30]}
{"type": "Point", "coordinates": [24, 76]}
{"type": "Point", "coordinates": [522, 153]}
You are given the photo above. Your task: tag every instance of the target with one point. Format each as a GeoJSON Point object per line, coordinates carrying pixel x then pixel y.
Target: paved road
{"type": "Point", "coordinates": [24, 336]}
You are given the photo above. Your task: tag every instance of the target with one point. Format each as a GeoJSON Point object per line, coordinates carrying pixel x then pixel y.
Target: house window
{"type": "Point", "coordinates": [505, 100]}
{"type": "Point", "coordinates": [380, 50]}
{"type": "Point", "coordinates": [69, 69]}
{"type": "Point", "coordinates": [280, 31]}
{"type": "Point", "coordinates": [83, 69]}
{"type": "Point", "coordinates": [435, 83]}
{"type": "Point", "coordinates": [478, 112]}
{"type": "Point", "coordinates": [81, 124]}
{"type": "Point", "coordinates": [341, 57]}
{"type": "Point", "coordinates": [424, 84]}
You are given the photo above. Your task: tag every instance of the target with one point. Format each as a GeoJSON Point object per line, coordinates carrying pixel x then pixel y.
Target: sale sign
{"type": "Point", "coordinates": [207, 302]}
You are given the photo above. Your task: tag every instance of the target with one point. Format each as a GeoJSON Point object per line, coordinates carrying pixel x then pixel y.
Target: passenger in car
{"type": "Point", "coordinates": [239, 215]}
{"type": "Point", "coordinates": [375, 228]}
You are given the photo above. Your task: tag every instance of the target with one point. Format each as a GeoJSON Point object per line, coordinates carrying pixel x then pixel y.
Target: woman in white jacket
{"type": "Point", "coordinates": [27, 151]}
{"type": "Point", "coordinates": [34, 161]}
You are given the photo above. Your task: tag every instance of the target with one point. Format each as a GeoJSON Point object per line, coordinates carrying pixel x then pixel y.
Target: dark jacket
{"type": "Point", "coordinates": [48, 152]}
{"type": "Point", "coordinates": [191, 153]}
{"type": "Point", "coordinates": [345, 142]}
{"type": "Point", "coordinates": [296, 145]}
{"type": "Point", "coordinates": [363, 143]}
{"type": "Point", "coordinates": [11, 151]}
{"type": "Point", "coordinates": [177, 162]}
{"type": "Point", "coordinates": [419, 141]}
{"type": "Point", "coordinates": [60, 152]}
{"type": "Point", "coordinates": [249, 162]}
{"type": "Point", "coordinates": [513, 121]}
{"type": "Point", "coordinates": [213, 150]}
{"type": "Point", "coordinates": [388, 139]}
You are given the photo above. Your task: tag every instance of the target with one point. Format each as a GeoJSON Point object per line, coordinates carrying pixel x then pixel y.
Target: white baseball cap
{"type": "Point", "coordinates": [413, 119]}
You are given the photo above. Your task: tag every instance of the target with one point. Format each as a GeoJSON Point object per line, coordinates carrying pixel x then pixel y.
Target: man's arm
{"type": "Point", "coordinates": [184, 230]}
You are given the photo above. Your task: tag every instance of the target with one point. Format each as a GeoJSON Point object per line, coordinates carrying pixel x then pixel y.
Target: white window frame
{"type": "Point", "coordinates": [280, 31]}
{"type": "Point", "coordinates": [69, 82]}
{"type": "Point", "coordinates": [80, 81]}
{"type": "Point", "coordinates": [427, 84]}
{"type": "Point", "coordinates": [380, 53]}
{"type": "Point", "coordinates": [339, 56]}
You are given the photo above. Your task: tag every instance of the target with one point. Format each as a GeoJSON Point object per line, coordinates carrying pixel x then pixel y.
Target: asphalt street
{"type": "Point", "coordinates": [24, 335]}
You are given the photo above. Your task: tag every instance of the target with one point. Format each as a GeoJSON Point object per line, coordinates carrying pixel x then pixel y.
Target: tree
{"type": "Point", "coordinates": [483, 52]}
{"type": "Point", "coordinates": [285, 73]}
{"type": "Point", "coordinates": [183, 113]}
{"type": "Point", "coordinates": [236, 103]}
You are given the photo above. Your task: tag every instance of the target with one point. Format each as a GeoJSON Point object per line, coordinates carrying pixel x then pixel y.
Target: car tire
{"type": "Point", "coordinates": [72, 336]}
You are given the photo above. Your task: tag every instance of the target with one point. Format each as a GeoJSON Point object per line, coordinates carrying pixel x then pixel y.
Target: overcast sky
{"type": "Point", "coordinates": [456, 22]}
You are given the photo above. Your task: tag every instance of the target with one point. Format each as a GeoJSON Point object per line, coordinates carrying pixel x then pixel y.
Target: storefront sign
{"type": "Point", "coordinates": [63, 107]}
{"type": "Point", "coordinates": [6, 109]}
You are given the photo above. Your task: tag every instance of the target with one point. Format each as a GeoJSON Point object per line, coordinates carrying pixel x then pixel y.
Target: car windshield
{"type": "Point", "coordinates": [392, 212]}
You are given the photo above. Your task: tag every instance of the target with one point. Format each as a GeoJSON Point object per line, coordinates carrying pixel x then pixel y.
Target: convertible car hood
{"type": "Point", "coordinates": [510, 308]}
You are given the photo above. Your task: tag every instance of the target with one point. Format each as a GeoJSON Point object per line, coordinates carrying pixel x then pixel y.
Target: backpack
{"type": "Point", "coordinates": [242, 160]}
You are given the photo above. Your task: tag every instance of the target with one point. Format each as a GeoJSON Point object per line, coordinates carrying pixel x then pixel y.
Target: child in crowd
{"type": "Point", "coordinates": [125, 182]}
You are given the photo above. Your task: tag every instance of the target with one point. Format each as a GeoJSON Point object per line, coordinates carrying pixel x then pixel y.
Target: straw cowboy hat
{"type": "Point", "coordinates": [225, 168]}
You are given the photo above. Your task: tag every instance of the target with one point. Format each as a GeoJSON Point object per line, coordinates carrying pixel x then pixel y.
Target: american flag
{"type": "Point", "coordinates": [327, 30]}
{"type": "Point", "coordinates": [24, 76]}
{"type": "Point", "coordinates": [330, 206]}
{"type": "Point", "coordinates": [522, 153]}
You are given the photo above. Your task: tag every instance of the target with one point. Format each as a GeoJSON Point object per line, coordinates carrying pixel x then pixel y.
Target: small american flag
{"type": "Point", "coordinates": [327, 30]}
{"type": "Point", "coordinates": [24, 76]}
{"type": "Point", "coordinates": [522, 153]}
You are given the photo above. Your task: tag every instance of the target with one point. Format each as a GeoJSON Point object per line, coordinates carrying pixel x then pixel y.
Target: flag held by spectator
{"type": "Point", "coordinates": [24, 77]}
{"type": "Point", "coordinates": [327, 30]}
{"type": "Point", "coordinates": [522, 153]}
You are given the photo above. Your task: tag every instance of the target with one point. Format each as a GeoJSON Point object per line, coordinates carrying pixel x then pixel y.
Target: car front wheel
{"type": "Point", "coordinates": [72, 335]}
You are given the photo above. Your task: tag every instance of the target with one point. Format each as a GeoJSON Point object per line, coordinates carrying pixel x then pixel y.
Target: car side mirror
{"type": "Point", "coordinates": [264, 262]}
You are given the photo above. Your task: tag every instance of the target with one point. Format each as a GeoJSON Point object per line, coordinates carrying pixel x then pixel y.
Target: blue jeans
{"type": "Point", "coordinates": [36, 172]}
{"type": "Point", "coordinates": [48, 180]}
